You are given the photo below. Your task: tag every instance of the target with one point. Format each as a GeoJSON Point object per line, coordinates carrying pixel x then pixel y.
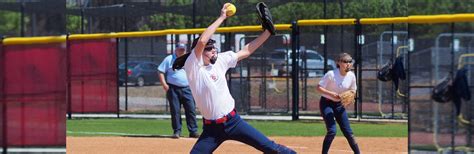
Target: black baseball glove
{"type": "Point", "coordinates": [179, 62]}
{"type": "Point", "coordinates": [385, 73]}
{"type": "Point", "coordinates": [265, 17]}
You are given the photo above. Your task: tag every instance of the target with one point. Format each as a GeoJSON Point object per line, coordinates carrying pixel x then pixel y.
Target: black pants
{"type": "Point", "coordinates": [331, 110]}
{"type": "Point", "coordinates": [177, 96]}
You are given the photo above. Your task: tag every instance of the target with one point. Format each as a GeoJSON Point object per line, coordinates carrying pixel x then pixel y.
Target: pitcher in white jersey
{"type": "Point", "coordinates": [205, 71]}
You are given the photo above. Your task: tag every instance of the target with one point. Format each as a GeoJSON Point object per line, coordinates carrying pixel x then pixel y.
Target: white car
{"type": "Point", "coordinates": [281, 59]}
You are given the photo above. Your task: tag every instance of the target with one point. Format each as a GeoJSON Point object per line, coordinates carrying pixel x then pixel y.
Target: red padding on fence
{"type": "Point", "coordinates": [2, 104]}
{"type": "Point", "coordinates": [34, 78]}
{"type": "Point", "coordinates": [93, 76]}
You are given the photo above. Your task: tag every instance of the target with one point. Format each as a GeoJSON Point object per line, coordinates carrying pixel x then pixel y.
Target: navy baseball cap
{"type": "Point", "coordinates": [180, 45]}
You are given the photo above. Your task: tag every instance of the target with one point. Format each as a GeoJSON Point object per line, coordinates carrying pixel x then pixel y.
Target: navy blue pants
{"type": "Point", "coordinates": [334, 110]}
{"type": "Point", "coordinates": [177, 96]}
{"type": "Point", "coordinates": [235, 129]}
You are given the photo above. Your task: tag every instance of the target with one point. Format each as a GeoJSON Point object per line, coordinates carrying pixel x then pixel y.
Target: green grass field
{"type": "Point", "coordinates": [139, 127]}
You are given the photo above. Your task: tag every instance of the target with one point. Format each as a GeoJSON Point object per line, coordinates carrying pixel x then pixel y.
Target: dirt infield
{"type": "Point", "coordinates": [183, 145]}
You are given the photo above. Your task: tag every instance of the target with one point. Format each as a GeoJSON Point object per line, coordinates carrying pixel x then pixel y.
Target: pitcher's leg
{"type": "Point", "coordinates": [328, 117]}
{"type": "Point", "coordinates": [209, 140]}
{"type": "Point", "coordinates": [241, 131]}
{"type": "Point", "coordinates": [189, 109]}
{"type": "Point", "coordinates": [344, 124]}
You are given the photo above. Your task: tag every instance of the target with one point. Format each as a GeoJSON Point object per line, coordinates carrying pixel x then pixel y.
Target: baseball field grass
{"type": "Point", "coordinates": [162, 127]}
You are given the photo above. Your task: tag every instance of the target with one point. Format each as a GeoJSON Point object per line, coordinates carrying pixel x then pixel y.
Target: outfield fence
{"type": "Point", "coordinates": [80, 73]}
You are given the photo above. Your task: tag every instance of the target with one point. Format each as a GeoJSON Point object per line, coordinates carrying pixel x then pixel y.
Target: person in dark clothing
{"type": "Point", "coordinates": [398, 72]}
{"type": "Point", "coordinates": [461, 91]}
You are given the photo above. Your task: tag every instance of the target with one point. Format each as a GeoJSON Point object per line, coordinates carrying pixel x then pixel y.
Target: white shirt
{"type": "Point", "coordinates": [209, 85]}
{"type": "Point", "coordinates": [334, 81]}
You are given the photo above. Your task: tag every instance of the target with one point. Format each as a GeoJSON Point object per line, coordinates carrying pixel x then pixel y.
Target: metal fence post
{"type": "Point", "coordinates": [2, 99]}
{"type": "Point", "coordinates": [392, 55]}
{"type": "Point", "coordinates": [409, 88]}
{"type": "Point", "coordinates": [68, 78]}
{"type": "Point", "coordinates": [295, 69]}
{"type": "Point", "coordinates": [117, 47]}
{"type": "Point", "coordinates": [358, 67]}
{"type": "Point", "coordinates": [341, 7]}
{"type": "Point", "coordinates": [82, 19]}
{"type": "Point", "coordinates": [22, 19]}
{"type": "Point", "coordinates": [453, 110]}
{"type": "Point", "coordinates": [325, 33]}
{"type": "Point", "coordinates": [124, 16]}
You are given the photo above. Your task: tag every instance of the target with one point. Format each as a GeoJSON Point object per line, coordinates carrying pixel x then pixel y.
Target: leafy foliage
{"type": "Point", "coordinates": [12, 27]}
{"type": "Point", "coordinates": [178, 13]}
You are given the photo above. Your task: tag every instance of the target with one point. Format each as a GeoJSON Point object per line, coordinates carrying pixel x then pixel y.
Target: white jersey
{"type": "Point", "coordinates": [334, 81]}
{"type": "Point", "coordinates": [209, 85]}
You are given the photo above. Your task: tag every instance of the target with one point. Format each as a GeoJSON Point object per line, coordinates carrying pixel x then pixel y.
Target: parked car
{"type": "Point", "coordinates": [281, 59]}
{"type": "Point", "coordinates": [139, 73]}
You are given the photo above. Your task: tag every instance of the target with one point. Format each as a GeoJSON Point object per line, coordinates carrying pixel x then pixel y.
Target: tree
{"type": "Point", "coordinates": [11, 23]}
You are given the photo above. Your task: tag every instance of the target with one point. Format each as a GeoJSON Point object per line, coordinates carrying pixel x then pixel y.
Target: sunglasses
{"type": "Point", "coordinates": [346, 61]}
{"type": "Point", "coordinates": [209, 48]}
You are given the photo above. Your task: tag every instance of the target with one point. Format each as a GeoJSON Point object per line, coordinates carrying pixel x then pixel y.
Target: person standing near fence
{"type": "Point", "coordinates": [178, 92]}
{"type": "Point", "coordinates": [206, 73]}
{"type": "Point", "coordinates": [331, 85]}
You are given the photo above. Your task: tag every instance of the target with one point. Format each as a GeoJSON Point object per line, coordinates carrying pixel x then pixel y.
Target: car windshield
{"type": "Point", "coordinates": [309, 54]}
{"type": "Point", "coordinates": [130, 65]}
{"type": "Point", "coordinates": [313, 56]}
{"type": "Point", "coordinates": [278, 55]}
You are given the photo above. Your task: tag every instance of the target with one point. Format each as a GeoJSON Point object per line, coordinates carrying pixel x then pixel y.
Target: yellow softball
{"type": "Point", "coordinates": [230, 10]}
